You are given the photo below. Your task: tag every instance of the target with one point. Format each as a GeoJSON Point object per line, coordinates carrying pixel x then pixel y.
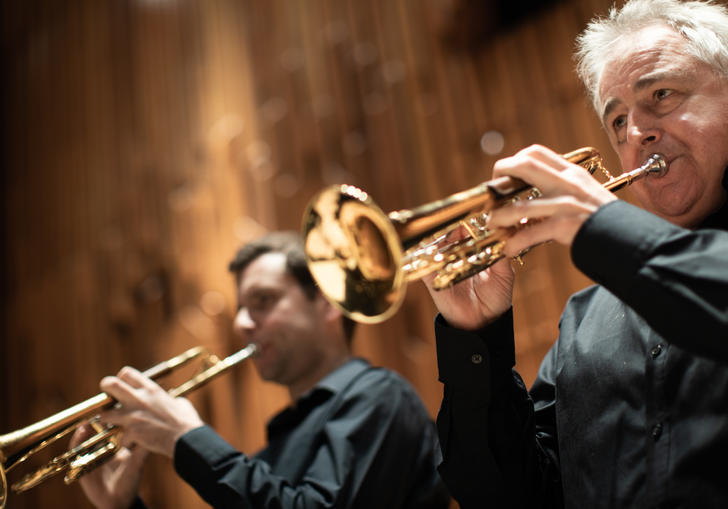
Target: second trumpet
{"type": "Point", "coordinates": [362, 258]}
{"type": "Point", "coordinates": [18, 446]}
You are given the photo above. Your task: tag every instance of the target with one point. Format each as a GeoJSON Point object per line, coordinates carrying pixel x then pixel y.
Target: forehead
{"type": "Point", "coordinates": [267, 270]}
{"type": "Point", "coordinates": [652, 52]}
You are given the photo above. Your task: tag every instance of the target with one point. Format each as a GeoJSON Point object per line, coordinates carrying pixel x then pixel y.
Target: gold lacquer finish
{"type": "Point", "coordinates": [353, 249]}
{"type": "Point", "coordinates": [362, 258]}
{"type": "Point", "coordinates": [99, 448]}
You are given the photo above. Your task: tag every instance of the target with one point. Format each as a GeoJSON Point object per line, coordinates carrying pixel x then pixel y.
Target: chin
{"type": "Point", "coordinates": [264, 371]}
{"type": "Point", "coordinates": [673, 203]}
{"type": "Point", "coordinates": [688, 216]}
{"type": "Point", "coordinates": [676, 216]}
{"type": "Point", "coordinates": [688, 210]}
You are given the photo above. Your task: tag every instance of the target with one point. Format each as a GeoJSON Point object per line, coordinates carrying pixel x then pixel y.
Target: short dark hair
{"type": "Point", "coordinates": [290, 244]}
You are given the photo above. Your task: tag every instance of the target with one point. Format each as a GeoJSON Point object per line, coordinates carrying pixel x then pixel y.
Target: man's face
{"type": "Point", "coordinates": [276, 314]}
{"type": "Point", "coordinates": [654, 97]}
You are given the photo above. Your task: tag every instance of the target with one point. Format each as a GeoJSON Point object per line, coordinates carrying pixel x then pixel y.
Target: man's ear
{"type": "Point", "coordinates": [330, 312]}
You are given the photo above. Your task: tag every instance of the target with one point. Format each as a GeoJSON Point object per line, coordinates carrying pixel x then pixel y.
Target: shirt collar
{"type": "Point", "coordinates": [326, 388]}
{"type": "Point", "coordinates": [338, 378]}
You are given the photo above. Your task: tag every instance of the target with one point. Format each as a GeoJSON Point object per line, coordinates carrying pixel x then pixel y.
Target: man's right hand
{"type": "Point", "coordinates": [478, 300]}
{"type": "Point", "coordinates": [113, 485]}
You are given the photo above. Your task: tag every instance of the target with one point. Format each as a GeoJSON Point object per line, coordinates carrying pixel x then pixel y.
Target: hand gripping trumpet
{"type": "Point", "coordinates": [97, 449]}
{"type": "Point", "coordinates": [362, 258]}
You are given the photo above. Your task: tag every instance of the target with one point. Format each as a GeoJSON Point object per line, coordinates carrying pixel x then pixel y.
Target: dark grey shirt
{"type": "Point", "coordinates": [361, 438]}
{"type": "Point", "coordinates": [630, 407]}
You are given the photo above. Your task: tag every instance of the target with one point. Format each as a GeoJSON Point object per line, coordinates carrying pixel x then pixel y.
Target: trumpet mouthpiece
{"type": "Point", "coordinates": [656, 165]}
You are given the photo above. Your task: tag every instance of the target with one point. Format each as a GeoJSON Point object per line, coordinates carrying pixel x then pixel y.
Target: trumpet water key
{"type": "Point", "coordinates": [362, 258]}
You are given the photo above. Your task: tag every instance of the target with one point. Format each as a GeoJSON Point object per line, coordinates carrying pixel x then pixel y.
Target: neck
{"type": "Point", "coordinates": [328, 365]}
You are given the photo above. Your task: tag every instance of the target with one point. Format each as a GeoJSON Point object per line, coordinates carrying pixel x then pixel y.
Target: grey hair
{"type": "Point", "coordinates": [703, 24]}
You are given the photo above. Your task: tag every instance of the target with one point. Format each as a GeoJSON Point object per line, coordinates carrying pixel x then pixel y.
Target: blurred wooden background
{"type": "Point", "coordinates": [145, 140]}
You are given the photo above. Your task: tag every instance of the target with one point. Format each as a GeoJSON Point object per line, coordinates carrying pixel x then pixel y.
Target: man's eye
{"type": "Point", "coordinates": [662, 94]}
{"type": "Point", "coordinates": [619, 122]}
{"type": "Point", "coordinates": [261, 302]}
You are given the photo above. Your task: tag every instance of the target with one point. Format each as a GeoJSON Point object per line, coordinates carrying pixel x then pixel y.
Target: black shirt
{"type": "Point", "coordinates": [360, 438]}
{"type": "Point", "coordinates": [630, 406]}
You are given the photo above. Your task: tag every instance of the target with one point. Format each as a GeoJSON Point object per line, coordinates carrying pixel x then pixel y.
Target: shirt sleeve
{"type": "Point", "coordinates": [492, 456]}
{"type": "Point", "coordinates": [226, 477]}
{"type": "Point", "coordinates": [375, 437]}
{"type": "Point", "coordinates": [675, 278]}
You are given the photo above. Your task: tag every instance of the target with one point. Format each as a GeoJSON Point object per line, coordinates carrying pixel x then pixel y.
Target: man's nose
{"type": "Point", "coordinates": [643, 131]}
{"type": "Point", "coordinates": [243, 320]}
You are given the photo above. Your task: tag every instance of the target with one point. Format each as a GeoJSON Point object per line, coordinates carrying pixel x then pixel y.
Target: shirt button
{"type": "Point", "coordinates": [656, 431]}
{"type": "Point", "coordinates": [656, 350]}
{"type": "Point", "coordinates": [476, 358]}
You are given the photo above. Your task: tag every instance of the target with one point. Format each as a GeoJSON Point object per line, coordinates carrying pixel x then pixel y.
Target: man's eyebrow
{"type": "Point", "coordinates": [647, 80]}
{"type": "Point", "coordinates": [644, 82]}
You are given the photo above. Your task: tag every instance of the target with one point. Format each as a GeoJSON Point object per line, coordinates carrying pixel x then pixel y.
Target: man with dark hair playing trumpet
{"type": "Point", "coordinates": [629, 408]}
{"type": "Point", "coordinates": [354, 436]}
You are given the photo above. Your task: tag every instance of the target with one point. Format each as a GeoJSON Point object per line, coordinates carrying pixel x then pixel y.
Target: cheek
{"type": "Point", "coordinates": [290, 324]}
{"type": "Point", "coordinates": [703, 129]}
{"type": "Point", "coordinates": [709, 151]}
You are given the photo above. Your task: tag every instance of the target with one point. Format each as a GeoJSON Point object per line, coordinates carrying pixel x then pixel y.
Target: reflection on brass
{"type": "Point", "coordinates": [93, 452]}
{"type": "Point", "coordinates": [362, 258]}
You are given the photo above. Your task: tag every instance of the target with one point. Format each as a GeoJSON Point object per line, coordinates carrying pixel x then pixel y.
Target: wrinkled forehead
{"type": "Point", "coordinates": [655, 49]}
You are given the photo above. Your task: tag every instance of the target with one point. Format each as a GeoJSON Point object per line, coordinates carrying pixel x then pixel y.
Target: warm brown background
{"type": "Point", "coordinates": [145, 140]}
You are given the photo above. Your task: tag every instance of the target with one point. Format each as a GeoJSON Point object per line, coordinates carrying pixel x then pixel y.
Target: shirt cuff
{"type": "Point", "coordinates": [464, 356]}
{"type": "Point", "coordinates": [619, 235]}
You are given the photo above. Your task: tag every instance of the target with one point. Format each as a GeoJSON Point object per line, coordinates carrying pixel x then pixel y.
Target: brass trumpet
{"type": "Point", "coordinates": [93, 452]}
{"type": "Point", "coordinates": [362, 258]}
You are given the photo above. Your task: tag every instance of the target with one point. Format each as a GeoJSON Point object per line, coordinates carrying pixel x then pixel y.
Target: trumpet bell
{"type": "Point", "coordinates": [354, 253]}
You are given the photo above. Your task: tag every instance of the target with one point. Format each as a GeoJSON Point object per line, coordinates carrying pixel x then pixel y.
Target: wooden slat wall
{"type": "Point", "coordinates": [145, 140]}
